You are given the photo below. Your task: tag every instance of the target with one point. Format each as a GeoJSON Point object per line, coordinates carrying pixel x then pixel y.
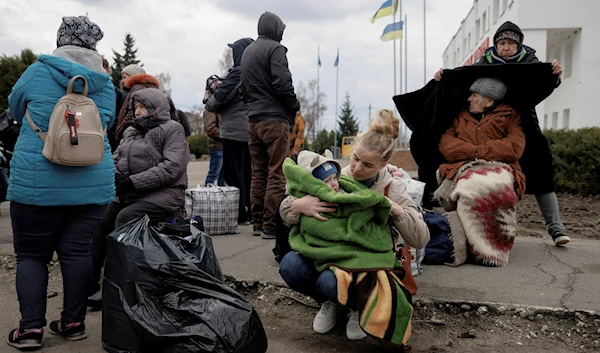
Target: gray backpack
{"type": "Point", "coordinates": [75, 135]}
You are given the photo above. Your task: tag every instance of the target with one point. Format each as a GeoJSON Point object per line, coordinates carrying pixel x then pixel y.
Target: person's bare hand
{"type": "Point", "coordinates": [438, 75]}
{"type": "Point", "coordinates": [556, 68]}
{"type": "Point", "coordinates": [312, 206]}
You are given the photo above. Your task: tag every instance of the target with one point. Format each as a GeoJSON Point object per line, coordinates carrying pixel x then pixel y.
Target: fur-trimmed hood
{"type": "Point", "coordinates": [143, 79]}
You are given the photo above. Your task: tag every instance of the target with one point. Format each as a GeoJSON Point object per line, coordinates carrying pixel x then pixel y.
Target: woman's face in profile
{"type": "Point", "coordinates": [364, 163]}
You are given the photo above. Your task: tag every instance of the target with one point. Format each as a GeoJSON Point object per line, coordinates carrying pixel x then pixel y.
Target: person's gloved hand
{"type": "Point", "coordinates": [124, 186]}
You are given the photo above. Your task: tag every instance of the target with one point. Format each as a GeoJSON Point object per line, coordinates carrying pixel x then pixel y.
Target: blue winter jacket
{"type": "Point", "coordinates": [34, 180]}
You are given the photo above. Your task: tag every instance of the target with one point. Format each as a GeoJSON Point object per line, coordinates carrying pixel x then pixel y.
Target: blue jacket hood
{"type": "Point", "coordinates": [63, 70]}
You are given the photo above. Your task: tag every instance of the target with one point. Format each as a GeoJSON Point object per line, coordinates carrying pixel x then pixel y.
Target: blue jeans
{"type": "Point", "coordinates": [301, 275]}
{"type": "Point", "coordinates": [39, 231]}
{"type": "Point", "coordinates": [215, 168]}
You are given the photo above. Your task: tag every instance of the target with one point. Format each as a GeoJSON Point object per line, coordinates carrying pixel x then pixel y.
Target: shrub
{"type": "Point", "coordinates": [576, 160]}
{"type": "Point", "coordinates": [198, 144]}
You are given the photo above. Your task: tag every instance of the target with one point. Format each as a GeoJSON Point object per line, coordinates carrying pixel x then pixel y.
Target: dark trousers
{"type": "Point", "coordinates": [237, 171]}
{"type": "Point", "coordinates": [269, 146]}
{"type": "Point", "coordinates": [38, 232]}
{"type": "Point", "coordinates": [117, 215]}
{"type": "Point", "coordinates": [301, 275]}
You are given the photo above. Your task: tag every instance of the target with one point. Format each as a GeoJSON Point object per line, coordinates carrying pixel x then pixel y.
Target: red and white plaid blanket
{"type": "Point", "coordinates": [483, 195]}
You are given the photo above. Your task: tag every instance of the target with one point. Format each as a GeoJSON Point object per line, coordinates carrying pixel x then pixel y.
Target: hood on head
{"type": "Point", "coordinates": [155, 101]}
{"type": "Point", "coordinates": [62, 70]}
{"type": "Point", "coordinates": [509, 27]}
{"type": "Point", "coordinates": [238, 48]}
{"type": "Point", "coordinates": [271, 26]}
{"type": "Point", "coordinates": [310, 161]}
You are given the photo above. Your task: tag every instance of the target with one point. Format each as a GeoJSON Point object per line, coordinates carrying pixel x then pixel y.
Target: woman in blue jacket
{"type": "Point", "coordinates": [56, 207]}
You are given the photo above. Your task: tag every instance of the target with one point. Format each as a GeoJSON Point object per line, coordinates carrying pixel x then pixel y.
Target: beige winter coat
{"type": "Point", "coordinates": [410, 224]}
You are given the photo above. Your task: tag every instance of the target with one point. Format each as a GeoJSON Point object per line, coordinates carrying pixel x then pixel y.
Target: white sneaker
{"type": "Point", "coordinates": [353, 330]}
{"type": "Point", "coordinates": [326, 317]}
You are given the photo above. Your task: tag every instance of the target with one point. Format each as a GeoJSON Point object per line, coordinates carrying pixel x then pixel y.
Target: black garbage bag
{"type": "Point", "coordinates": [158, 299]}
{"type": "Point", "coordinates": [195, 241]}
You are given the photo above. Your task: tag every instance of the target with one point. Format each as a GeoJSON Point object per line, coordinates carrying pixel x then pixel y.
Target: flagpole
{"type": "Point", "coordinates": [405, 32]}
{"type": "Point", "coordinates": [394, 21]}
{"type": "Point", "coordinates": [318, 96]}
{"type": "Point", "coordinates": [400, 78]}
{"type": "Point", "coordinates": [424, 42]}
{"type": "Point", "coordinates": [337, 77]}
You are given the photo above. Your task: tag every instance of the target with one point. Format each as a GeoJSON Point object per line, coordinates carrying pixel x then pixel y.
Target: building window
{"type": "Point", "coordinates": [469, 46]}
{"type": "Point", "coordinates": [545, 122]}
{"type": "Point", "coordinates": [504, 5]}
{"type": "Point", "coordinates": [465, 48]}
{"type": "Point", "coordinates": [496, 10]}
{"type": "Point", "coordinates": [554, 120]}
{"type": "Point", "coordinates": [485, 22]}
{"type": "Point", "coordinates": [566, 118]}
{"type": "Point", "coordinates": [568, 62]}
{"type": "Point", "coordinates": [477, 29]}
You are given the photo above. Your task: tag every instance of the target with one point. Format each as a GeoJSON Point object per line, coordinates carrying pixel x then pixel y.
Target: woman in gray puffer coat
{"type": "Point", "coordinates": [150, 176]}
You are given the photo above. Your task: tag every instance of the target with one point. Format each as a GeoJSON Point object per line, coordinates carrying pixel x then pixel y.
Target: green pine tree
{"type": "Point", "coordinates": [120, 61]}
{"type": "Point", "coordinates": [11, 68]}
{"type": "Point", "coordinates": [347, 121]}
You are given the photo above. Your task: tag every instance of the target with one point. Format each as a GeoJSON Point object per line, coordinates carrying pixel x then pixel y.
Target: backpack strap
{"type": "Point", "coordinates": [35, 128]}
{"type": "Point", "coordinates": [72, 81]}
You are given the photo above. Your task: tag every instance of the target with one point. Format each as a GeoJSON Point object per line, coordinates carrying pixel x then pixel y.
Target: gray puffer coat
{"type": "Point", "coordinates": [154, 153]}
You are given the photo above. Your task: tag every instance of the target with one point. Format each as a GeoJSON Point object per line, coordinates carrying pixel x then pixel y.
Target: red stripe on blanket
{"type": "Point", "coordinates": [467, 174]}
{"type": "Point", "coordinates": [488, 209]}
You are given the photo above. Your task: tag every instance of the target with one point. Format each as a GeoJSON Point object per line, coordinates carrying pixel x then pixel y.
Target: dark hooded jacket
{"type": "Point", "coordinates": [267, 85]}
{"type": "Point", "coordinates": [154, 154]}
{"type": "Point", "coordinates": [227, 100]}
{"type": "Point", "coordinates": [537, 158]}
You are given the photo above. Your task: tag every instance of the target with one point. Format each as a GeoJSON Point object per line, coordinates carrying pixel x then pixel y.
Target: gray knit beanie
{"type": "Point", "coordinates": [133, 69]}
{"type": "Point", "coordinates": [489, 87]}
{"type": "Point", "coordinates": [78, 31]}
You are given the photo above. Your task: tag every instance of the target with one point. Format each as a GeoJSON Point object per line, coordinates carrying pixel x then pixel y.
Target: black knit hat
{"type": "Point", "coordinates": [511, 31]}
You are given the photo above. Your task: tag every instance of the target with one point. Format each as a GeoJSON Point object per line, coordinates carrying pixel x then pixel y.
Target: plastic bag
{"type": "Point", "coordinates": [158, 298]}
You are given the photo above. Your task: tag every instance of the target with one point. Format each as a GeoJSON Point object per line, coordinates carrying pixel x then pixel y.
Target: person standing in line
{"type": "Point", "coordinates": [111, 133]}
{"type": "Point", "coordinates": [297, 135]}
{"type": "Point", "coordinates": [56, 207]}
{"type": "Point", "coordinates": [268, 90]}
{"type": "Point", "coordinates": [234, 129]}
{"type": "Point", "coordinates": [537, 158]}
{"type": "Point", "coordinates": [215, 149]}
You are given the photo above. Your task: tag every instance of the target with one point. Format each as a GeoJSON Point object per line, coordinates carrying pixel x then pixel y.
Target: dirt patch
{"type": "Point", "coordinates": [438, 327]}
{"type": "Point", "coordinates": [580, 215]}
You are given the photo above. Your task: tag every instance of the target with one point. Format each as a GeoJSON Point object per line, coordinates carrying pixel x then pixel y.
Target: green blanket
{"type": "Point", "coordinates": [356, 237]}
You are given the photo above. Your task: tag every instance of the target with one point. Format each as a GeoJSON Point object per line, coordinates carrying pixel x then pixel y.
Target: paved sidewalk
{"type": "Point", "coordinates": [539, 274]}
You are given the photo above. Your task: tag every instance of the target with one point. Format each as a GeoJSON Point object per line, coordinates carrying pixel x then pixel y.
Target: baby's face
{"type": "Point", "coordinates": [332, 182]}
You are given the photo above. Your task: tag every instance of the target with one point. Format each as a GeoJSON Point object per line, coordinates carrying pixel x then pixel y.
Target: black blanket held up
{"type": "Point", "coordinates": [429, 112]}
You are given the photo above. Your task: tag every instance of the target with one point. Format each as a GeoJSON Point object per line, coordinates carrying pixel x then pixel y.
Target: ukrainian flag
{"type": "Point", "coordinates": [386, 9]}
{"type": "Point", "coordinates": [392, 31]}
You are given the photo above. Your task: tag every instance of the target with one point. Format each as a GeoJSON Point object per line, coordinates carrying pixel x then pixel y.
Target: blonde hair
{"type": "Point", "coordinates": [383, 131]}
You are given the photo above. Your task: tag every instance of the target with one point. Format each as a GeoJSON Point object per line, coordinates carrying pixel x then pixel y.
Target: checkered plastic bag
{"type": "Point", "coordinates": [218, 206]}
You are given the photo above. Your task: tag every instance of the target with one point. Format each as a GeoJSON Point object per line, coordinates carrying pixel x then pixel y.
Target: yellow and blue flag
{"type": "Point", "coordinates": [392, 31]}
{"type": "Point", "coordinates": [389, 7]}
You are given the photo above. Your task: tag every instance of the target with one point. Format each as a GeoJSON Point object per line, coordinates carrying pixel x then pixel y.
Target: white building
{"type": "Point", "coordinates": [568, 31]}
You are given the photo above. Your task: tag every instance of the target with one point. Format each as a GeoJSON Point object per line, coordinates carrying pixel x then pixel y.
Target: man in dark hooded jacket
{"type": "Point", "coordinates": [234, 129]}
{"type": "Point", "coordinates": [537, 157]}
{"type": "Point", "coordinates": [268, 91]}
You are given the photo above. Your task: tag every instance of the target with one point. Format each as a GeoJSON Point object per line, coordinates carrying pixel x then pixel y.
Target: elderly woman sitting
{"type": "Point", "coordinates": [482, 180]}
